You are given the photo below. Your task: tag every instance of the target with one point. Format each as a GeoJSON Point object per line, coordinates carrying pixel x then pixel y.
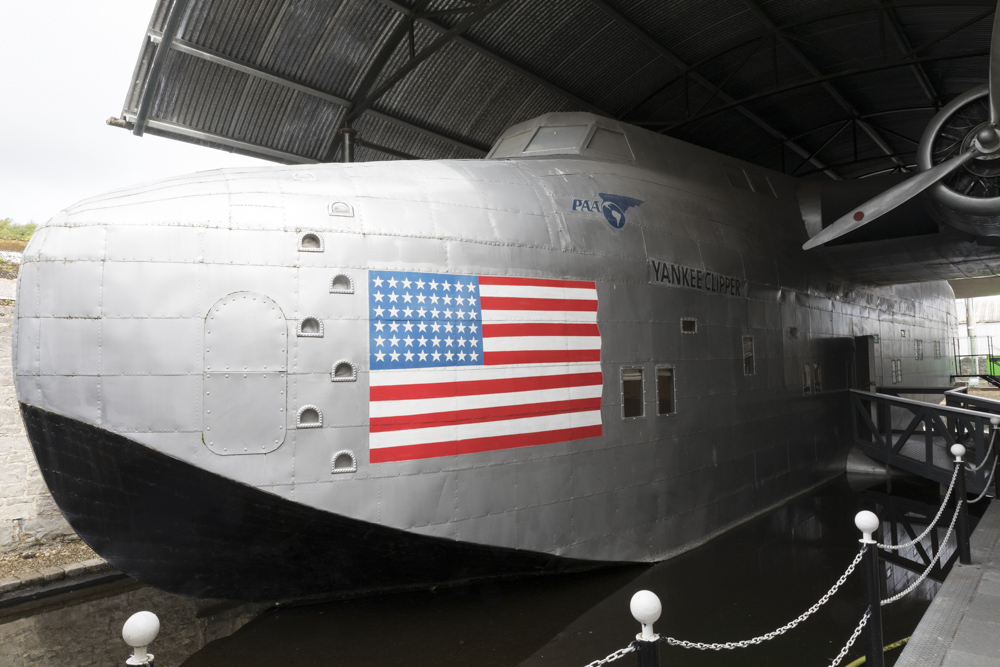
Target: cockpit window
{"type": "Point", "coordinates": [555, 138]}
{"type": "Point", "coordinates": [610, 142]}
{"type": "Point", "coordinates": [511, 145]}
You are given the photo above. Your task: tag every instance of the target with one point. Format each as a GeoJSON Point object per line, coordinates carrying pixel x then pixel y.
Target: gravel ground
{"type": "Point", "coordinates": [44, 556]}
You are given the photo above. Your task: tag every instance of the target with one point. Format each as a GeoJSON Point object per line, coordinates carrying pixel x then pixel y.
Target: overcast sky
{"type": "Point", "coordinates": [65, 67]}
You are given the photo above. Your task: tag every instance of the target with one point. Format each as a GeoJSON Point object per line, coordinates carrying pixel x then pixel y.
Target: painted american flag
{"type": "Point", "coordinates": [463, 364]}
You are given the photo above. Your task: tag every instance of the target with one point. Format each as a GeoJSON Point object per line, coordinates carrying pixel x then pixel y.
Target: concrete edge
{"type": "Point", "coordinates": [34, 580]}
{"type": "Point", "coordinates": [932, 640]}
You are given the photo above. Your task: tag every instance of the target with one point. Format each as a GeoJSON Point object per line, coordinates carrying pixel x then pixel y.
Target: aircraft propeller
{"type": "Point", "coordinates": [985, 142]}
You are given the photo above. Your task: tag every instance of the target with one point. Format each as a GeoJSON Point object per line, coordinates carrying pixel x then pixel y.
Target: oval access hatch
{"type": "Point", "coordinates": [245, 372]}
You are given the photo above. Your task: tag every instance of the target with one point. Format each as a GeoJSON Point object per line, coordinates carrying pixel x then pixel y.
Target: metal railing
{"type": "Point", "coordinates": [646, 607]}
{"type": "Point", "coordinates": [915, 436]}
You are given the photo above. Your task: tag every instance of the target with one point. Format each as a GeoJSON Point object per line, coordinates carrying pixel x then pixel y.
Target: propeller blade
{"type": "Point", "coordinates": [890, 199]}
{"type": "Point", "coordinates": [995, 70]}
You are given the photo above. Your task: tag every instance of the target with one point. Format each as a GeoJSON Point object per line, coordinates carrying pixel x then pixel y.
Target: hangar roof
{"type": "Point", "coordinates": [821, 88]}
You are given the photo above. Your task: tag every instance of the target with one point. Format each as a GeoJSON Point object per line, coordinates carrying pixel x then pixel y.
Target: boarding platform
{"type": "Point", "coordinates": [916, 435]}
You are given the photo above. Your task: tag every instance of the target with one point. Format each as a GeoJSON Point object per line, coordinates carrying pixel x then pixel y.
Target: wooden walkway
{"type": "Point", "coordinates": [962, 626]}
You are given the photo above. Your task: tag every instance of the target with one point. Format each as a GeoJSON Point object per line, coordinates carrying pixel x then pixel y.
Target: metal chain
{"type": "Point", "coordinates": [780, 631]}
{"type": "Point", "coordinates": [854, 636]}
{"type": "Point", "coordinates": [985, 458]}
{"type": "Point", "coordinates": [614, 656]}
{"type": "Point", "coordinates": [920, 579]}
{"type": "Point", "coordinates": [986, 487]}
{"type": "Point", "coordinates": [932, 524]}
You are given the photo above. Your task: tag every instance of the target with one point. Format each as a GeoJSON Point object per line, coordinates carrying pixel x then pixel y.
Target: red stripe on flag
{"type": "Point", "coordinates": [540, 357]}
{"type": "Point", "coordinates": [488, 444]}
{"type": "Point", "coordinates": [517, 303]}
{"type": "Point", "coordinates": [481, 415]}
{"type": "Point", "coordinates": [477, 387]}
{"type": "Point", "coordinates": [539, 329]}
{"type": "Point", "coordinates": [536, 282]}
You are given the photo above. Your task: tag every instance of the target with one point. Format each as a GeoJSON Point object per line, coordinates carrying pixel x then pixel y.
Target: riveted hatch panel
{"type": "Point", "coordinates": [245, 375]}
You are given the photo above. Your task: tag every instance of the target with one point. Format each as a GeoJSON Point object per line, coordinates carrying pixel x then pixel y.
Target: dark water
{"type": "Point", "coordinates": [745, 583]}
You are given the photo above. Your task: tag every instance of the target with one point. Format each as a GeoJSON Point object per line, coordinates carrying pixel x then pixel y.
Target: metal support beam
{"type": "Point", "coordinates": [183, 130]}
{"type": "Point", "coordinates": [385, 149]}
{"type": "Point", "coordinates": [153, 76]}
{"type": "Point", "coordinates": [766, 21]}
{"type": "Point", "coordinates": [652, 43]}
{"type": "Point", "coordinates": [500, 60]}
{"type": "Point", "coordinates": [190, 49]}
{"type": "Point", "coordinates": [904, 62]}
{"type": "Point", "coordinates": [442, 41]}
{"type": "Point", "coordinates": [895, 28]}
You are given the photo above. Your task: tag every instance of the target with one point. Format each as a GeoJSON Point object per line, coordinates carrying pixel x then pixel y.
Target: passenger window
{"type": "Point", "coordinates": [664, 391]}
{"type": "Point", "coordinates": [631, 392]}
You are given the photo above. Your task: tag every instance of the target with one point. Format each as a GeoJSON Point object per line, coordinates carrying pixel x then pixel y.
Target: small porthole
{"type": "Point", "coordinates": [310, 242]}
{"type": "Point", "coordinates": [310, 327]}
{"type": "Point", "coordinates": [344, 461]}
{"type": "Point", "coordinates": [341, 284]}
{"type": "Point", "coordinates": [341, 209]}
{"type": "Point", "coordinates": [344, 371]}
{"type": "Point", "coordinates": [689, 325]}
{"type": "Point", "coordinates": [309, 416]}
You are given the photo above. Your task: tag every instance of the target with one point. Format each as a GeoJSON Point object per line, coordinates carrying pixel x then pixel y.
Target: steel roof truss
{"type": "Point", "coordinates": [650, 41]}
{"type": "Point", "coordinates": [183, 46]}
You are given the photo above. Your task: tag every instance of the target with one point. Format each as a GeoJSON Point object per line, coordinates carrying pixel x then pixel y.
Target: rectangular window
{"type": "Point", "coordinates": [631, 392]}
{"type": "Point", "coordinates": [937, 349]}
{"type": "Point", "coordinates": [689, 325]}
{"type": "Point", "coordinates": [664, 391]}
{"type": "Point", "coordinates": [748, 366]}
{"type": "Point", "coordinates": [817, 379]}
{"type": "Point", "coordinates": [807, 381]}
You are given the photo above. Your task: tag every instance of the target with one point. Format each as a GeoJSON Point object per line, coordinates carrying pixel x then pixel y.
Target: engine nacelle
{"type": "Point", "coordinates": [969, 198]}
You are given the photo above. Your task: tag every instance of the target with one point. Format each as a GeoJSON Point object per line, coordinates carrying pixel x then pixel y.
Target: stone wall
{"type": "Point", "coordinates": [28, 515]}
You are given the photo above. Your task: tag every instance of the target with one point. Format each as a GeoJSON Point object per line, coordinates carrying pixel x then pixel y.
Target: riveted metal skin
{"type": "Point", "coordinates": [120, 295]}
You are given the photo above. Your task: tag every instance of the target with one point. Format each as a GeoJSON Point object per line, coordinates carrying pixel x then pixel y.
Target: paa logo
{"type": "Point", "coordinates": [612, 206]}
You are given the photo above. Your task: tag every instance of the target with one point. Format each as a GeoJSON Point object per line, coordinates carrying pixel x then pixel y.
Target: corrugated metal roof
{"type": "Point", "coordinates": [769, 81]}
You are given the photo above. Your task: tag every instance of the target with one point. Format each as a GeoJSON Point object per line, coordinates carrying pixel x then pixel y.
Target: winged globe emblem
{"type": "Point", "coordinates": [614, 206]}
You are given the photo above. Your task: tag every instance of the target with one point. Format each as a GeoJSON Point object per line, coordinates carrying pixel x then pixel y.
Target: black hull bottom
{"type": "Point", "coordinates": [191, 532]}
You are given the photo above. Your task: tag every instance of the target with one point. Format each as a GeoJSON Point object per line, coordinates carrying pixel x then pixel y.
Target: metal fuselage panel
{"type": "Point", "coordinates": [117, 295]}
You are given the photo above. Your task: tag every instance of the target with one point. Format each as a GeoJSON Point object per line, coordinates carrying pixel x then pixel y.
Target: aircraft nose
{"type": "Point", "coordinates": [58, 328]}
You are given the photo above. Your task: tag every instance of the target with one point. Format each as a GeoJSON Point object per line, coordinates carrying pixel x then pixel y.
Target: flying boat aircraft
{"type": "Point", "coordinates": [597, 345]}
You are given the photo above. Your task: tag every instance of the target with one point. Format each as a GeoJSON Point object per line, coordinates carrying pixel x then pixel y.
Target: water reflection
{"type": "Point", "coordinates": [747, 582]}
{"type": "Point", "coordinates": [85, 629]}
{"type": "Point", "coordinates": [750, 581]}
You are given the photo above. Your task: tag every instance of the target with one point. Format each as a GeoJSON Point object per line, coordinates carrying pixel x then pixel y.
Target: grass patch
{"type": "Point", "coordinates": [8, 230]}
